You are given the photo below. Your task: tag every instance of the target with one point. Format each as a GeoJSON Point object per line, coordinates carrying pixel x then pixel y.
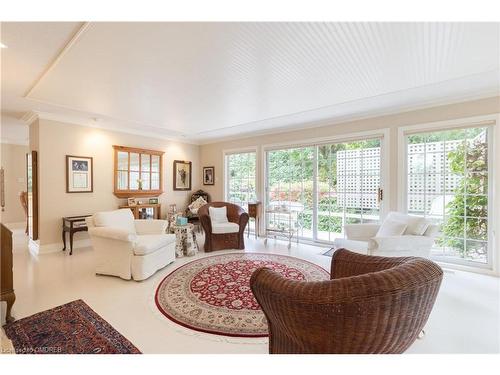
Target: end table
{"type": "Point", "coordinates": [185, 239]}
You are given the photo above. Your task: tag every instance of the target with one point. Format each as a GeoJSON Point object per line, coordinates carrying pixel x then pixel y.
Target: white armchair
{"type": "Point", "coordinates": [128, 248]}
{"type": "Point", "coordinates": [416, 239]}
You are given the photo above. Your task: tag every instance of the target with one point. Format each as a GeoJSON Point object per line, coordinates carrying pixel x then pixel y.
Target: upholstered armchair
{"type": "Point", "coordinates": [128, 248]}
{"type": "Point", "coordinates": [415, 237]}
{"type": "Point", "coordinates": [370, 305]}
{"type": "Point", "coordinates": [225, 235]}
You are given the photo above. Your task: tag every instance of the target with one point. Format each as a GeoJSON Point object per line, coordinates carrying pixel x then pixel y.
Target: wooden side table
{"type": "Point", "coordinates": [71, 225]}
{"type": "Point", "coordinates": [254, 211]}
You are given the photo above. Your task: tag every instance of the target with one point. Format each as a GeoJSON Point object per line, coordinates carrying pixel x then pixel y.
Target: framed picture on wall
{"type": "Point", "coordinates": [79, 174]}
{"type": "Point", "coordinates": [208, 175]}
{"type": "Point", "coordinates": [182, 175]}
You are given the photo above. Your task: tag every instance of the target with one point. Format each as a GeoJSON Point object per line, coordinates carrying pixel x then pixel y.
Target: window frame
{"type": "Point", "coordinates": [385, 171]}
{"type": "Point", "coordinates": [489, 122]}
{"type": "Point", "coordinates": [127, 193]}
{"type": "Point", "coordinates": [243, 150]}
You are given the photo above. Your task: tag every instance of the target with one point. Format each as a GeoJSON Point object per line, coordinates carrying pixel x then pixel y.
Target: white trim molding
{"type": "Point", "coordinates": [37, 249]}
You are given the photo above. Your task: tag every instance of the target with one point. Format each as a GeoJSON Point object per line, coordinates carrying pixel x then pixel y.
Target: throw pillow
{"type": "Point", "coordinates": [218, 214]}
{"type": "Point", "coordinates": [193, 207]}
{"type": "Point", "coordinates": [390, 228]}
{"type": "Point", "coordinates": [416, 225]}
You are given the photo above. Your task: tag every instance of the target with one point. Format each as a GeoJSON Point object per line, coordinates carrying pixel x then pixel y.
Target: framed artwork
{"type": "Point", "coordinates": [153, 200]}
{"type": "Point", "coordinates": [79, 174]}
{"type": "Point", "coordinates": [182, 175]}
{"type": "Point", "coordinates": [131, 201]}
{"type": "Point", "coordinates": [208, 175]}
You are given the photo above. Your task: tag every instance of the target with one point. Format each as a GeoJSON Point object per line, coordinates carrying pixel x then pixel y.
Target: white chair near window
{"type": "Point", "coordinates": [398, 235]}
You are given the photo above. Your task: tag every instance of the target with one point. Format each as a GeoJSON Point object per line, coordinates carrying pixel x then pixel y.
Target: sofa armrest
{"type": "Point", "coordinates": [402, 245]}
{"type": "Point", "coordinates": [150, 226]}
{"type": "Point", "coordinates": [361, 232]}
{"type": "Point", "coordinates": [112, 233]}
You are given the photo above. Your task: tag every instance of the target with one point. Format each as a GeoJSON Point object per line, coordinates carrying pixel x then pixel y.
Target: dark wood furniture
{"type": "Point", "coordinates": [32, 189]}
{"type": "Point", "coordinates": [216, 241]}
{"type": "Point", "coordinates": [133, 164]}
{"type": "Point", "coordinates": [140, 211]}
{"type": "Point", "coordinates": [23, 198]}
{"type": "Point", "coordinates": [7, 282]}
{"type": "Point", "coordinates": [254, 211]}
{"type": "Point", "coordinates": [194, 218]}
{"type": "Point", "coordinates": [71, 225]}
{"type": "Point", "coordinates": [370, 305]}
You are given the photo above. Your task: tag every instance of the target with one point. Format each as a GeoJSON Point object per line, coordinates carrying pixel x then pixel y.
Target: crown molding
{"type": "Point", "coordinates": [10, 141]}
{"type": "Point", "coordinates": [298, 124]}
{"type": "Point", "coordinates": [29, 117]}
{"type": "Point", "coordinates": [110, 126]}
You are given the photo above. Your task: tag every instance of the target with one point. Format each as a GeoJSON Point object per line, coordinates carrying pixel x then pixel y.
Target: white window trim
{"type": "Point", "coordinates": [241, 150]}
{"type": "Point", "coordinates": [383, 134]}
{"type": "Point", "coordinates": [490, 121]}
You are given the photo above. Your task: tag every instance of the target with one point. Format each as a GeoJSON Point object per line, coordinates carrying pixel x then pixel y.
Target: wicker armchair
{"type": "Point", "coordinates": [370, 305]}
{"type": "Point", "coordinates": [220, 241]}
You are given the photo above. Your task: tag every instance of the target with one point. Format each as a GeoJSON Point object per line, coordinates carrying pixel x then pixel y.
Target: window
{"type": "Point", "coordinates": [330, 185]}
{"type": "Point", "coordinates": [240, 178]}
{"type": "Point", "coordinates": [447, 182]}
{"type": "Point", "coordinates": [137, 172]}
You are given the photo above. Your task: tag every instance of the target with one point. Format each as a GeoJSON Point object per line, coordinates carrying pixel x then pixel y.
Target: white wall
{"type": "Point", "coordinates": [56, 140]}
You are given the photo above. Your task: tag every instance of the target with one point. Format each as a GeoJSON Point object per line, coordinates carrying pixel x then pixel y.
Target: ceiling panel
{"type": "Point", "coordinates": [213, 78]}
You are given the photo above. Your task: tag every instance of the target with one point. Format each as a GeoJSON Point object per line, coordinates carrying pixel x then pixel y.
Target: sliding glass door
{"type": "Point", "coordinates": [348, 186]}
{"type": "Point", "coordinates": [447, 182]}
{"type": "Point", "coordinates": [330, 185]}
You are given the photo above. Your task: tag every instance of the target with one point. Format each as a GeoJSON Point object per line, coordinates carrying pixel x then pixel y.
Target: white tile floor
{"type": "Point", "coordinates": [465, 318]}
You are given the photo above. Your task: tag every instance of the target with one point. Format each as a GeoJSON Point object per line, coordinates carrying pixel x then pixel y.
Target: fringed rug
{"type": "Point", "coordinates": [73, 328]}
{"type": "Point", "coordinates": [213, 294]}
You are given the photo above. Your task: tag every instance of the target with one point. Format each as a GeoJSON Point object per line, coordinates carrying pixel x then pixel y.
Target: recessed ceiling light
{"type": "Point", "coordinates": [2, 45]}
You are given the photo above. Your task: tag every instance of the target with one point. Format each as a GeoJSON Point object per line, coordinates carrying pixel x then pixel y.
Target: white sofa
{"type": "Point", "coordinates": [128, 248]}
{"type": "Point", "coordinates": [416, 240]}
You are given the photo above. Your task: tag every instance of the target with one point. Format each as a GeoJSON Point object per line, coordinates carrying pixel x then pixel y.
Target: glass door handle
{"type": "Point", "coordinates": [380, 195]}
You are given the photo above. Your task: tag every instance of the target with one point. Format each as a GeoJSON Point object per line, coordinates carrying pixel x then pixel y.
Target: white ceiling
{"type": "Point", "coordinates": [202, 81]}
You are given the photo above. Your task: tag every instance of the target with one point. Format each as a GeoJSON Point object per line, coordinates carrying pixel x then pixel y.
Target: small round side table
{"type": "Point", "coordinates": [185, 240]}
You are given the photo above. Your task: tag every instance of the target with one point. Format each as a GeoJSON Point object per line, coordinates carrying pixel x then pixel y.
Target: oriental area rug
{"type": "Point", "coordinates": [213, 294]}
{"type": "Point", "coordinates": [73, 328]}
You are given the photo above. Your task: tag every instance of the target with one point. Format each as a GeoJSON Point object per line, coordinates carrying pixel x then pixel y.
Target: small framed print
{"type": "Point", "coordinates": [153, 200]}
{"type": "Point", "coordinates": [131, 202]}
{"type": "Point", "coordinates": [79, 174]}
{"type": "Point", "coordinates": [208, 175]}
{"type": "Point", "coordinates": [182, 175]}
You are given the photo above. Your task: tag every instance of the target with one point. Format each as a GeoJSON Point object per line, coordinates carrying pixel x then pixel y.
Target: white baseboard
{"type": "Point", "coordinates": [38, 249]}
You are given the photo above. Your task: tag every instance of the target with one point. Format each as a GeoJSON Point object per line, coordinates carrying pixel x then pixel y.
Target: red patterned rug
{"type": "Point", "coordinates": [73, 328]}
{"type": "Point", "coordinates": [213, 295]}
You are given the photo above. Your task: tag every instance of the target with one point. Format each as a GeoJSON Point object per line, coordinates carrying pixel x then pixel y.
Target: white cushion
{"type": "Point", "coordinates": [228, 227]}
{"type": "Point", "coordinates": [390, 228]}
{"type": "Point", "coordinates": [218, 214]}
{"type": "Point", "coordinates": [415, 225]}
{"type": "Point", "coordinates": [122, 219]}
{"type": "Point", "coordinates": [149, 243]}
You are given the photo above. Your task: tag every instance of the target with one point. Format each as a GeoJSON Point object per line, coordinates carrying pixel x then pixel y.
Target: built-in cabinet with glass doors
{"type": "Point", "coordinates": [138, 172]}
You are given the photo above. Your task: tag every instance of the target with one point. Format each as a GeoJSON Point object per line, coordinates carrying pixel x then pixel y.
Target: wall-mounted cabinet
{"type": "Point", "coordinates": [137, 172]}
